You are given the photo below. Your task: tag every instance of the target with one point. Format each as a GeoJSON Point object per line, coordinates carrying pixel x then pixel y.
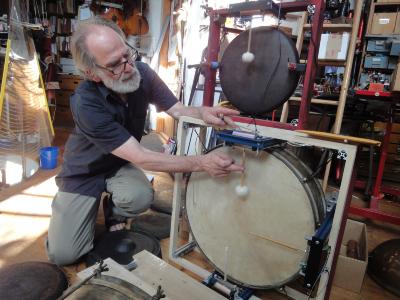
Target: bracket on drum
{"type": "Point", "coordinates": [236, 293]}
{"type": "Point", "coordinates": [251, 140]}
{"type": "Point", "coordinates": [317, 243]}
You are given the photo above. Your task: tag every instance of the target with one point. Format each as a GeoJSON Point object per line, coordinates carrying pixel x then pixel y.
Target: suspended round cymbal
{"type": "Point", "coordinates": [262, 85]}
{"type": "Point", "coordinates": [384, 265]}
{"type": "Point", "coordinates": [155, 223]}
{"type": "Point", "coordinates": [162, 202]}
{"type": "Point", "coordinates": [122, 245]}
{"type": "Point", "coordinates": [32, 281]}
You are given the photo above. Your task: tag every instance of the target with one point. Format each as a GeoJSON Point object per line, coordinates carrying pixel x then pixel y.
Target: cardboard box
{"type": "Point", "coordinates": [69, 82]}
{"type": "Point", "coordinates": [383, 23]}
{"type": "Point", "coordinates": [349, 271]}
{"type": "Point", "coordinates": [333, 46]}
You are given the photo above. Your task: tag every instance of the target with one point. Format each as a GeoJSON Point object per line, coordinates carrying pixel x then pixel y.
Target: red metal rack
{"type": "Point", "coordinates": [379, 189]}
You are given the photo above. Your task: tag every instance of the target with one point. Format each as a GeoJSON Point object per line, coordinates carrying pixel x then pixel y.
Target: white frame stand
{"type": "Point", "coordinates": [282, 134]}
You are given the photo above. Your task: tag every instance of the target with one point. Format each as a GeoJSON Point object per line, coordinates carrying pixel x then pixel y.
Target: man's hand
{"type": "Point", "coordinates": [215, 116]}
{"type": "Point", "coordinates": [219, 164]}
{"type": "Point", "coordinates": [218, 116]}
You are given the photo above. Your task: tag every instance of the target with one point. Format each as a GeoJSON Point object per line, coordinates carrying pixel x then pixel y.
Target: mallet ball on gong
{"type": "Point", "coordinates": [247, 57]}
{"type": "Point", "coordinates": [242, 190]}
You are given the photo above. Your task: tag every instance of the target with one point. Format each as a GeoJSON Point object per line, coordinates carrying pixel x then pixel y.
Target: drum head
{"type": "Point", "coordinates": [32, 281]}
{"type": "Point", "coordinates": [260, 86]}
{"type": "Point", "coordinates": [258, 241]}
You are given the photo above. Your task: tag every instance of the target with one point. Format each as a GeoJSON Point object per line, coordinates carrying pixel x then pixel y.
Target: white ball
{"type": "Point", "coordinates": [247, 57]}
{"type": "Point", "coordinates": [242, 190]}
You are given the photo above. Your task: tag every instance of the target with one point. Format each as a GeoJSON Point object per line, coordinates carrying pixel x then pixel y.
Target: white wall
{"type": "Point", "coordinates": [148, 42]}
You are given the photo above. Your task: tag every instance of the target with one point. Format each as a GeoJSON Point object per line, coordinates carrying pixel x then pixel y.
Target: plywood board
{"type": "Point", "coordinates": [176, 284]}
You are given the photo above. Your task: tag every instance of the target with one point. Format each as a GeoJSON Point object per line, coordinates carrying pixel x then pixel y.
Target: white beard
{"type": "Point", "coordinates": [127, 83]}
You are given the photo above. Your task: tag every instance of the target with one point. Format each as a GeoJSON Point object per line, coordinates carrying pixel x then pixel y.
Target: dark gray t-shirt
{"type": "Point", "coordinates": [103, 122]}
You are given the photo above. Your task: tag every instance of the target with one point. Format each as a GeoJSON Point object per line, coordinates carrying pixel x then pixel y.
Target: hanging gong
{"type": "Point", "coordinates": [384, 265]}
{"type": "Point", "coordinates": [262, 85]}
{"type": "Point", "coordinates": [32, 281]}
{"type": "Point", "coordinates": [122, 245]}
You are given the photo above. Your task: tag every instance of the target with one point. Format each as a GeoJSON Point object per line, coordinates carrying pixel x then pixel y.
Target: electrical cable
{"type": "Point", "coordinates": [204, 147]}
{"type": "Point", "coordinates": [316, 172]}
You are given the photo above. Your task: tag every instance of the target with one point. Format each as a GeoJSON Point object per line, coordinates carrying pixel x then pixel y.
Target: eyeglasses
{"type": "Point", "coordinates": [131, 56]}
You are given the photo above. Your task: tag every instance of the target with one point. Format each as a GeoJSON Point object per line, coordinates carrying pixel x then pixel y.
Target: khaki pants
{"type": "Point", "coordinates": [71, 229]}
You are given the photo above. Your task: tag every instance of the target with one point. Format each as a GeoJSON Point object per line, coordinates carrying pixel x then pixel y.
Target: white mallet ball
{"type": "Point", "coordinates": [242, 190]}
{"type": "Point", "coordinates": [247, 57]}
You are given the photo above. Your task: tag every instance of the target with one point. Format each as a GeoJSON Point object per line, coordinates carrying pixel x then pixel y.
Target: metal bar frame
{"type": "Point", "coordinates": [339, 220]}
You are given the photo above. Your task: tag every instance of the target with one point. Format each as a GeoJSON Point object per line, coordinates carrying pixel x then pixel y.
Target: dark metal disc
{"type": "Point", "coordinates": [155, 223]}
{"type": "Point", "coordinates": [32, 281]}
{"type": "Point", "coordinates": [122, 245]}
{"type": "Point", "coordinates": [384, 265]}
{"type": "Point", "coordinates": [260, 86]}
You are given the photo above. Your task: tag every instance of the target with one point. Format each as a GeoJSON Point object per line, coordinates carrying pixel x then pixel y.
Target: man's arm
{"type": "Point", "coordinates": [217, 164]}
{"type": "Point", "coordinates": [217, 116]}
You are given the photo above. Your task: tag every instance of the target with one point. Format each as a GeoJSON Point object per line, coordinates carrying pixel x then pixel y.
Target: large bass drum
{"type": "Point", "coordinates": [257, 241]}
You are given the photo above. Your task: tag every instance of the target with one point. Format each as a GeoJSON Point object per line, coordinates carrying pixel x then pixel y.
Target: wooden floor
{"type": "Point", "coordinates": [25, 211]}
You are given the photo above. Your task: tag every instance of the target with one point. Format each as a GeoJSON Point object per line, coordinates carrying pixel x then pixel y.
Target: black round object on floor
{"type": "Point", "coordinates": [122, 245]}
{"type": "Point", "coordinates": [32, 281]}
{"type": "Point", "coordinates": [155, 223]}
{"type": "Point", "coordinates": [384, 265]}
{"type": "Point", "coordinates": [264, 84]}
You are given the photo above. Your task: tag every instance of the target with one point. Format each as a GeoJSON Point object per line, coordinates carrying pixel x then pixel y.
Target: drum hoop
{"type": "Point", "coordinates": [312, 186]}
{"type": "Point", "coordinates": [273, 152]}
{"type": "Point", "coordinates": [318, 185]}
{"type": "Point", "coordinates": [120, 285]}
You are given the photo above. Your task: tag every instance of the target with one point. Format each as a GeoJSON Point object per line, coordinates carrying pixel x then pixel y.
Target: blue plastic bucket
{"type": "Point", "coordinates": [48, 157]}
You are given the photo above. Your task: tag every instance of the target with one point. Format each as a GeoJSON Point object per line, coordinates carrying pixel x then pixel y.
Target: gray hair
{"type": "Point", "coordinates": [83, 59]}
